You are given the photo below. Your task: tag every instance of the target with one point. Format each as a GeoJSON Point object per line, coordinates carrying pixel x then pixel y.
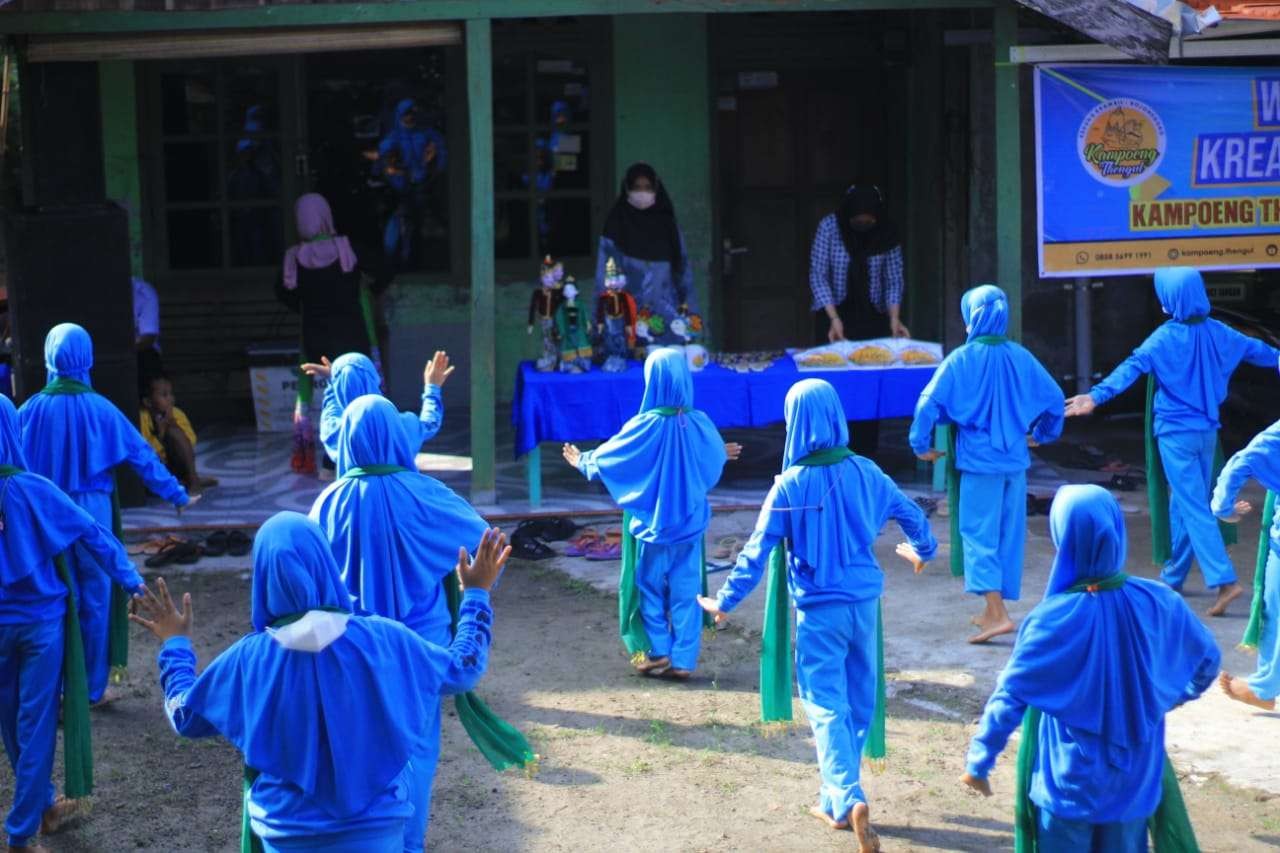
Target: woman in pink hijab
{"type": "Point", "coordinates": [320, 280]}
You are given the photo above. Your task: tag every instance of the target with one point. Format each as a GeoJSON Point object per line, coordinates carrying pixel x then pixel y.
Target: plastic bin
{"type": "Point", "coordinates": [273, 378]}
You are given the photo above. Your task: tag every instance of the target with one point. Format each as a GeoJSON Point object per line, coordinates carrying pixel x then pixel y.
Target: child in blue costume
{"type": "Point", "coordinates": [37, 523]}
{"type": "Point", "coordinates": [326, 706]}
{"type": "Point", "coordinates": [76, 438]}
{"type": "Point", "coordinates": [355, 375]}
{"type": "Point", "coordinates": [659, 468]}
{"type": "Point", "coordinates": [1102, 659]}
{"type": "Point", "coordinates": [1192, 357]}
{"type": "Point", "coordinates": [1259, 460]}
{"type": "Point", "coordinates": [394, 533]}
{"type": "Point", "coordinates": [995, 392]}
{"type": "Point", "coordinates": [830, 505]}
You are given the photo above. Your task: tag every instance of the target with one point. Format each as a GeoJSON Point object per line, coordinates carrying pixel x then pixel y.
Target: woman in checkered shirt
{"type": "Point", "coordinates": [855, 273]}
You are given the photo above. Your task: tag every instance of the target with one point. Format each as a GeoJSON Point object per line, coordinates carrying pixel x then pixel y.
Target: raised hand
{"type": "Point", "coordinates": [324, 369]}
{"type": "Point", "coordinates": [1081, 404]}
{"type": "Point", "coordinates": [908, 553]}
{"type": "Point", "coordinates": [158, 614]}
{"type": "Point", "coordinates": [437, 369]}
{"type": "Point", "coordinates": [712, 606]}
{"type": "Point", "coordinates": [491, 558]}
{"type": "Point", "coordinates": [733, 450]}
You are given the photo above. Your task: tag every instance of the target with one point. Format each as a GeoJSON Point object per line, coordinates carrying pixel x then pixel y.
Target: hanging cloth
{"type": "Point", "coordinates": [1158, 489]}
{"type": "Point", "coordinates": [1253, 630]}
{"type": "Point", "coordinates": [776, 657]}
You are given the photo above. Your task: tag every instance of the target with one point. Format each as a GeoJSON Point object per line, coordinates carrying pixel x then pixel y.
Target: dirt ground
{"type": "Point", "coordinates": [627, 764]}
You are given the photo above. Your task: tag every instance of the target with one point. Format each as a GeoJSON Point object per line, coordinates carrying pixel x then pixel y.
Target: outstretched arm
{"type": "Point", "coordinates": [156, 612]}
{"type": "Point", "coordinates": [1002, 715]}
{"type": "Point", "coordinates": [771, 527]}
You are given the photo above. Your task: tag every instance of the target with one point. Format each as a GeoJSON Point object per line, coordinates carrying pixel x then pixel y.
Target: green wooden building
{"type": "Point", "coordinates": [215, 116]}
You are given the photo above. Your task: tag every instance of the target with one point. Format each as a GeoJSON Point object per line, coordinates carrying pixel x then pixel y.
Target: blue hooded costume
{"type": "Point", "coordinates": [405, 148]}
{"type": "Point", "coordinates": [395, 535]}
{"type": "Point", "coordinates": [1192, 357]}
{"type": "Point", "coordinates": [995, 392]}
{"type": "Point", "coordinates": [1103, 658]}
{"type": "Point", "coordinates": [325, 705]}
{"type": "Point", "coordinates": [1259, 460]}
{"type": "Point", "coordinates": [659, 468]}
{"type": "Point", "coordinates": [829, 505]}
{"type": "Point", "coordinates": [37, 522]}
{"type": "Point", "coordinates": [76, 438]}
{"type": "Point", "coordinates": [355, 375]}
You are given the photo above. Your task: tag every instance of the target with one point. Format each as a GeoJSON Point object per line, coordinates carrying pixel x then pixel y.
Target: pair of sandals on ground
{"type": "Point", "coordinates": [171, 550]}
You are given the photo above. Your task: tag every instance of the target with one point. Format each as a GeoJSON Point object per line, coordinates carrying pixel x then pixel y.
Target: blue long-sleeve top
{"type": "Point", "coordinates": [1071, 778]}
{"type": "Point", "coordinates": [830, 557]}
{"type": "Point", "coordinates": [279, 809]}
{"type": "Point", "coordinates": [1259, 460]}
{"type": "Point", "coordinates": [419, 429]}
{"type": "Point", "coordinates": [1192, 363]}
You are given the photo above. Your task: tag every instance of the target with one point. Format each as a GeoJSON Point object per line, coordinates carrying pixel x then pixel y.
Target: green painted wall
{"type": "Point", "coordinates": [662, 115]}
{"type": "Point", "coordinates": [119, 94]}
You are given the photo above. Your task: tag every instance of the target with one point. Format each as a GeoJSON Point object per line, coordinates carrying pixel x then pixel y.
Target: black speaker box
{"type": "Point", "coordinates": [72, 266]}
{"type": "Point", "coordinates": [62, 135]}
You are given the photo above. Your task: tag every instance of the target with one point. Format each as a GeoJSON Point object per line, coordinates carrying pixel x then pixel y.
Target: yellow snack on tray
{"type": "Point", "coordinates": [821, 359]}
{"type": "Point", "coordinates": [871, 355]}
{"type": "Point", "coordinates": [915, 355]}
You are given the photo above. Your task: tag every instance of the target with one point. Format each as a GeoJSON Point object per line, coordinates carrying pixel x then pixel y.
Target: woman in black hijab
{"type": "Point", "coordinates": [642, 237]}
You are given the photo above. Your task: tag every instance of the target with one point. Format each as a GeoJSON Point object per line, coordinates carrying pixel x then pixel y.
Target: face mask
{"type": "Point", "coordinates": [862, 227]}
{"type": "Point", "coordinates": [642, 199]}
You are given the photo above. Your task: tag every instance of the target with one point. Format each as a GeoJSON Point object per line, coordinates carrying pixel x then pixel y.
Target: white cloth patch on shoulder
{"type": "Point", "coordinates": [314, 632]}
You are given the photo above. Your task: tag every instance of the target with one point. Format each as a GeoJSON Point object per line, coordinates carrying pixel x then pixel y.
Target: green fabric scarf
{"type": "Point", "coordinates": [373, 471]}
{"type": "Point", "coordinates": [1158, 486]}
{"type": "Point", "coordinates": [118, 622]}
{"type": "Point", "coordinates": [1253, 630]}
{"type": "Point", "coordinates": [630, 625]}
{"type": "Point", "coordinates": [62, 385]}
{"type": "Point", "coordinates": [1170, 827]}
{"type": "Point", "coordinates": [249, 842]}
{"type": "Point", "coordinates": [366, 314]}
{"type": "Point", "coordinates": [776, 658]}
{"type": "Point", "coordinates": [990, 340]}
{"type": "Point", "coordinates": [77, 736]}
{"type": "Point", "coordinates": [953, 506]}
{"type": "Point", "coordinates": [499, 742]}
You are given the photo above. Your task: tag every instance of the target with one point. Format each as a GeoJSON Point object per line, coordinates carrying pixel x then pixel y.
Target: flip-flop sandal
{"type": "Point", "coordinates": [529, 548]}
{"type": "Point", "coordinates": [187, 554]}
{"type": "Point", "coordinates": [238, 545]}
{"type": "Point", "coordinates": [929, 505]}
{"type": "Point", "coordinates": [558, 529]}
{"type": "Point", "coordinates": [578, 547]}
{"type": "Point", "coordinates": [216, 544]}
{"type": "Point", "coordinates": [605, 551]}
{"type": "Point", "coordinates": [166, 556]}
{"type": "Point", "coordinates": [724, 547]}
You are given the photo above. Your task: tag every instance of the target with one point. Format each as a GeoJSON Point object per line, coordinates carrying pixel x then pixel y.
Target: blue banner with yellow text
{"type": "Point", "coordinates": [1141, 167]}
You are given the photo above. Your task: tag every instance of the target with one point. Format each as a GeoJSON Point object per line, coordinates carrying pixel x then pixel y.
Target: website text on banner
{"type": "Point", "coordinates": [1145, 167]}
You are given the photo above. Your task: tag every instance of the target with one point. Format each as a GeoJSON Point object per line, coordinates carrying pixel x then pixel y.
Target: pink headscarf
{"type": "Point", "coordinates": [320, 246]}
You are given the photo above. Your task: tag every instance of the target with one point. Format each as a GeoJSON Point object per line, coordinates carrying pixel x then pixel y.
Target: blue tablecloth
{"type": "Point", "coordinates": [593, 406]}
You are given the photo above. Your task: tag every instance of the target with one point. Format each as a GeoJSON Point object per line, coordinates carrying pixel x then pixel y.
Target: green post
{"type": "Point", "coordinates": [1008, 162]}
{"type": "Point", "coordinates": [665, 119]}
{"type": "Point", "coordinates": [483, 358]}
{"type": "Point", "coordinates": [118, 93]}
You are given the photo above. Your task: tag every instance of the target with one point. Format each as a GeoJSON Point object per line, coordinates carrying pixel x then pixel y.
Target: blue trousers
{"type": "Point", "coordinates": [93, 597]}
{"type": "Point", "coordinates": [1188, 466]}
{"type": "Point", "coordinates": [993, 525]}
{"type": "Point", "coordinates": [1265, 681]}
{"type": "Point", "coordinates": [669, 580]}
{"type": "Point", "coordinates": [1056, 835]}
{"type": "Point", "coordinates": [30, 684]}
{"type": "Point", "coordinates": [836, 670]}
{"type": "Point", "coordinates": [423, 765]}
{"type": "Point", "coordinates": [384, 841]}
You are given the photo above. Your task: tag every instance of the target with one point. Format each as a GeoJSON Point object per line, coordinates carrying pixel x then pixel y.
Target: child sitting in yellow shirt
{"type": "Point", "coordinates": [168, 430]}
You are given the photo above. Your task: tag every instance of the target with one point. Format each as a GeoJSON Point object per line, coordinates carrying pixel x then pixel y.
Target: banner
{"type": "Point", "coordinates": [1140, 167]}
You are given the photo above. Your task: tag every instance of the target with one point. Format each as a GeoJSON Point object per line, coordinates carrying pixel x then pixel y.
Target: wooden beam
{"type": "Point", "coordinates": [1008, 160]}
{"type": "Point", "coordinates": [1138, 34]}
{"type": "Point", "coordinates": [479, 50]}
{"type": "Point", "coordinates": [408, 11]}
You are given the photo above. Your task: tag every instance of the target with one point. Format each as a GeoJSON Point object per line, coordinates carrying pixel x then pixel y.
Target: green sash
{"type": "Point", "coordinates": [630, 625]}
{"type": "Point", "coordinates": [1158, 486]}
{"type": "Point", "coordinates": [499, 742]}
{"type": "Point", "coordinates": [249, 842]}
{"type": "Point", "coordinates": [373, 471]}
{"type": "Point", "coordinates": [62, 385]}
{"type": "Point", "coordinates": [1170, 827]}
{"type": "Point", "coordinates": [953, 506]}
{"type": "Point", "coordinates": [990, 340]}
{"type": "Point", "coordinates": [1253, 630]}
{"type": "Point", "coordinates": [776, 658]}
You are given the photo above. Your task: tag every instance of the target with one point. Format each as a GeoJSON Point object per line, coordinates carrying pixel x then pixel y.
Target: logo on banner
{"type": "Point", "coordinates": [1121, 142]}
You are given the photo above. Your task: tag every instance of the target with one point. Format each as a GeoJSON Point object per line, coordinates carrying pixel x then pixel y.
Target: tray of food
{"type": "Point", "coordinates": [868, 355]}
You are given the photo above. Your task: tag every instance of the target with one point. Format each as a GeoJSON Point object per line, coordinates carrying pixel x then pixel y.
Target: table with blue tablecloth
{"type": "Point", "coordinates": [564, 407]}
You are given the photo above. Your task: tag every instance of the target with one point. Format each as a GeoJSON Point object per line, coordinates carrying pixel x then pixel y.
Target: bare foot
{"type": "Point", "coordinates": [653, 666]}
{"type": "Point", "coordinates": [1227, 593]}
{"type": "Point", "coordinates": [975, 621]}
{"type": "Point", "coordinates": [677, 674]}
{"type": "Point", "coordinates": [860, 817]}
{"type": "Point", "coordinates": [831, 822]}
{"type": "Point", "coordinates": [990, 632]}
{"type": "Point", "coordinates": [1238, 689]}
{"type": "Point", "coordinates": [62, 812]}
{"type": "Point", "coordinates": [108, 696]}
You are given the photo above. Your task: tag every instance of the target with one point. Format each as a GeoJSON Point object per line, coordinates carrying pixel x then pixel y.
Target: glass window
{"type": "Point", "coordinates": [542, 174]}
{"type": "Point", "coordinates": [195, 239]}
